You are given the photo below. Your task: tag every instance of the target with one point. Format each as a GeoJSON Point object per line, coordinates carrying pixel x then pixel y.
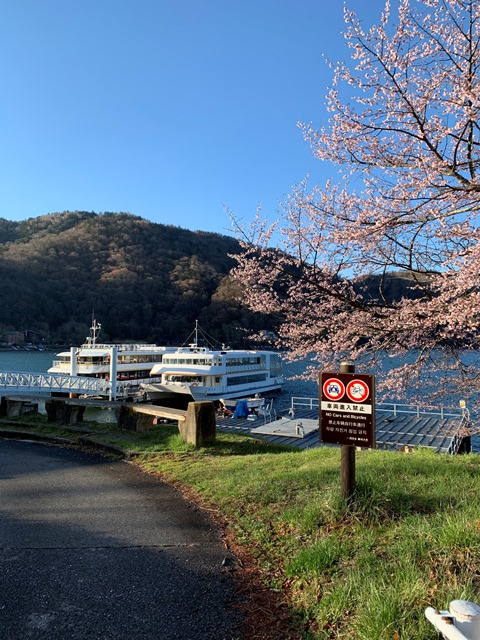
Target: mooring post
{"type": "Point", "coordinates": [347, 451]}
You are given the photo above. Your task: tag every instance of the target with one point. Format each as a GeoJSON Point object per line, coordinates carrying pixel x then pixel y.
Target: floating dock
{"type": "Point", "coordinates": [398, 427]}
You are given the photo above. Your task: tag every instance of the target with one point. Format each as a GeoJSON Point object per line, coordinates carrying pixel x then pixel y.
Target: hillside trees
{"type": "Point", "coordinates": [404, 134]}
{"type": "Point", "coordinates": [143, 281]}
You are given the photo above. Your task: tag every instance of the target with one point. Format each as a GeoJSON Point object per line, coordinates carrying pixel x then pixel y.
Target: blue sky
{"type": "Point", "coordinates": [168, 109]}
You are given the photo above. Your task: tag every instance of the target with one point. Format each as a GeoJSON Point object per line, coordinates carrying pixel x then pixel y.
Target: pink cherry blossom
{"type": "Point", "coordinates": [403, 141]}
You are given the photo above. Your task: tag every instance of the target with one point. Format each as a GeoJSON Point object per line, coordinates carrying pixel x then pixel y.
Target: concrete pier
{"type": "Point", "coordinates": [63, 412]}
{"type": "Point", "coordinates": [11, 408]}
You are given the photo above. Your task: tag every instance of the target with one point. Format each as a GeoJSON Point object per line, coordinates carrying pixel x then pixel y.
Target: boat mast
{"type": "Point", "coordinates": [94, 332]}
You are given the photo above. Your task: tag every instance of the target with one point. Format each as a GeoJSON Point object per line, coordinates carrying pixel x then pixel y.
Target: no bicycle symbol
{"type": "Point", "coordinates": [357, 391]}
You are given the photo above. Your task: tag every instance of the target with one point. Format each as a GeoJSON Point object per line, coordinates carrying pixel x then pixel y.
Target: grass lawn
{"type": "Point", "coordinates": [409, 539]}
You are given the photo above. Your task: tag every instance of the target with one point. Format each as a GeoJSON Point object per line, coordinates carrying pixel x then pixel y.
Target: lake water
{"type": "Point", "coordinates": [27, 361]}
{"type": "Point", "coordinates": [40, 361]}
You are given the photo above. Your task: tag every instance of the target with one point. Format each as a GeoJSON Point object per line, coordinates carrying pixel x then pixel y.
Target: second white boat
{"type": "Point", "coordinates": [205, 373]}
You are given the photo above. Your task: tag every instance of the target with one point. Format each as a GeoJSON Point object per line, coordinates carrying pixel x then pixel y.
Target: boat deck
{"type": "Point", "coordinates": [394, 431]}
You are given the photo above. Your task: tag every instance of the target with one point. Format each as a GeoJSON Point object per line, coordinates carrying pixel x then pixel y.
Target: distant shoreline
{"type": "Point", "coordinates": [24, 350]}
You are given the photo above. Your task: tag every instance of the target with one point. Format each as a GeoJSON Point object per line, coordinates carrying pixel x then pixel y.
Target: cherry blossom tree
{"type": "Point", "coordinates": [404, 132]}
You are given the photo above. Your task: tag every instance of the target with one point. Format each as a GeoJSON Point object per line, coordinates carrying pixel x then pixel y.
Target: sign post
{"type": "Point", "coordinates": [347, 417]}
{"type": "Point", "coordinates": [347, 452]}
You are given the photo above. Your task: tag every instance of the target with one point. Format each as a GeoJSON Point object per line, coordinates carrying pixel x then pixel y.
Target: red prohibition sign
{"type": "Point", "coordinates": [333, 388]}
{"type": "Point", "coordinates": [357, 390]}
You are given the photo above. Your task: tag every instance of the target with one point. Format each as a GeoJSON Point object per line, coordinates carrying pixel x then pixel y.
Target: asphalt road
{"type": "Point", "coordinates": [93, 548]}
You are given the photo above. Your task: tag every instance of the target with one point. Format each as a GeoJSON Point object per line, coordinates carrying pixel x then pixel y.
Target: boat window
{"type": "Point", "coordinates": [276, 363]}
{"type": "Point", "coordinates": [183, 379]}
{"type": "Point", "coordinates": [243, 363]}
{"type": "Point", "coordinates": [186, 361]}
{"type": "Point", "coordinates": [231, 382]}
{"type": "Point", "coordinates": [90, 360]}
{"type": "Point", "coordinates": [134, 375]}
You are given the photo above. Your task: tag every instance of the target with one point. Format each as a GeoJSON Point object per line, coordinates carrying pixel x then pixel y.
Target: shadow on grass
{"type": "Point", "coordinates": [373, 503]}
{"type": "Point", "coordinates": [242, 445]}
{"type": "Point", "coordinates": [162, 438]}
{"type": "Point", "coordinates": [166, 438]}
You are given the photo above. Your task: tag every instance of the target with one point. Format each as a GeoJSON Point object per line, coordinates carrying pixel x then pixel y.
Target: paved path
{"type": "Point", "coordinates": [93, 548]}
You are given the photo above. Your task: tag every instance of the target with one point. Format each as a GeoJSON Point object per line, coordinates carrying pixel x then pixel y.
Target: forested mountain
{"type": "Point", "coordinates": [144, 281]}
{"type": "Point", "coordinates": [391, 287]}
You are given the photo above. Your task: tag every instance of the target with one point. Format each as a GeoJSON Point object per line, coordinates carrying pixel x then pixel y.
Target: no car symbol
{"type": "Point", "coordinates": [333, 389]}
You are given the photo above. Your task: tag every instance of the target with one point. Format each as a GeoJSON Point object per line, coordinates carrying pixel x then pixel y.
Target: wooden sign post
{"type": "Point", "coordinates": [347, 417]}
{"type": "Point", "coordinates": [347, 453]}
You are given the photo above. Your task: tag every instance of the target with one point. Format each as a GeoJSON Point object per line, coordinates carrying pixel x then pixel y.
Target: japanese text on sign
{"type": "Point", "coordinates": [347, 409]}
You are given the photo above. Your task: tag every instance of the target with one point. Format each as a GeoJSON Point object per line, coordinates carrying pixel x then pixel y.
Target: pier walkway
{"type": "Point", "coordinates": [19, 382]}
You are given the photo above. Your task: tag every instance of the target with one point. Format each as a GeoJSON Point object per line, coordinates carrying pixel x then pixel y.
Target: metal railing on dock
{"type": "Point", "coordinates": [57, 383]}
{"type": "Point", "coordinates": [393, 408]}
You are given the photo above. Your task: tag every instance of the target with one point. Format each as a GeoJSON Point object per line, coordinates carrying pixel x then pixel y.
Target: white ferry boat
{"type": "Point", "coordinates": [129, 364]}
{"type": "Point", "coordinates": [205, 373]}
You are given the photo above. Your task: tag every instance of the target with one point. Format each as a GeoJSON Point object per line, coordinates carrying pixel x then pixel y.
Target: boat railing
{"type": "Point", "coordinates": [124, 347]}
{"type": "Point", "coordinates": [393, 408]}
{"type": "Point", "coordinates": [84, 361]}
{"type": "Point", "coordinates": [60, 363]}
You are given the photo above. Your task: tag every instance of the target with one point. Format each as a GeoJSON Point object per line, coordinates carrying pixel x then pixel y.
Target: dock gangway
{"type": "Point", "coordinates": [55, 383]}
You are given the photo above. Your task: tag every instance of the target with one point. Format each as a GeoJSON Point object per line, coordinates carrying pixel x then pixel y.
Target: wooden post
{"type": "Point", "coordinates": [200, 426]}
{"type": "Point", "coordinates": [347, 452]}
